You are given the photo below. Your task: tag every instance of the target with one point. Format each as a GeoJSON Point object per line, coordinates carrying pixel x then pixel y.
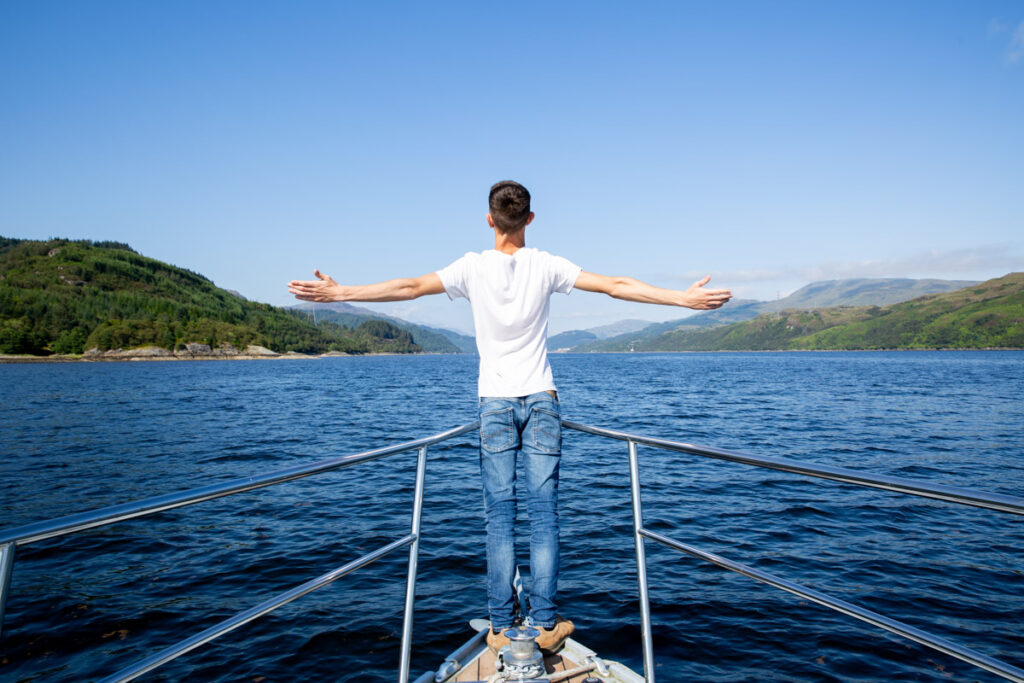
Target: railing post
{"type": "Point", "coordinates": [414, 552]}
{"type": "Point", "coordinates": [641, 564]}
{"type": "Point", "coordinates": [6, 565]}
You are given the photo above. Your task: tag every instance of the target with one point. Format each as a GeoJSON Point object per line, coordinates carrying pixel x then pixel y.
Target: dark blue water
{"type": "Point", "coordinates": [80, 436]}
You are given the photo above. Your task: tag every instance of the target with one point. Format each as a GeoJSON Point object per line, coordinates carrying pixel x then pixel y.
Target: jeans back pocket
{"type": "Point", "coordinates": [497, 430]}
{"type": "Point", "coordinates": [546, 429]}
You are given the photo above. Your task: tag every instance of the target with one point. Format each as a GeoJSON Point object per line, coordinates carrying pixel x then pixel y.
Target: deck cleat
{"type": "Point", "coordinates": [521, 659]}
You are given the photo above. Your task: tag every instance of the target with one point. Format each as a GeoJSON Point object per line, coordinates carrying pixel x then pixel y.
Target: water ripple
{"type": "Point", "coordinates": [80, 436]}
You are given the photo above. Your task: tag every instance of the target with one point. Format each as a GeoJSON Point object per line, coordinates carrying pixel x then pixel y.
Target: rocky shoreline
{"type": "Point", "coordinates": [156, 353]}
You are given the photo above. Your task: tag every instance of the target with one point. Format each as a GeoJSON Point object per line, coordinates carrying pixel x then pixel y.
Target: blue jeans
{"type": "Point", "coordinates": [530, 425]}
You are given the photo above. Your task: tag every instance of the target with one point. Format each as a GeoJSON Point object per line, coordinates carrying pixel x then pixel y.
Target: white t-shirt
{"type": "Point", "coordinates": [509, 294]}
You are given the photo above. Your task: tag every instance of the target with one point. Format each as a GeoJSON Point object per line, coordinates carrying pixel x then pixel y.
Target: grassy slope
{"type": "Point", "coordinates": [987, 315]}
{"type": "Point", "coordinates": [65, 296]}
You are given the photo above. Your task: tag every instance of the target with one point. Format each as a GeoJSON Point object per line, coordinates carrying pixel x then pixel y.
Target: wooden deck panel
{"type": "Point", "coordinates": [483, 666]}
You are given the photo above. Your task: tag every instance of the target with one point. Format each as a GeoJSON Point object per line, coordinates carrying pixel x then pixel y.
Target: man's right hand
{"type": "Point", "coordinates": [322, 289]}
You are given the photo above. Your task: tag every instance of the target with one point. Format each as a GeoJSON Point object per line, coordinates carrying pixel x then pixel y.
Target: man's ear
{"type": "Point", "coordinates": [528, 220]}
{"type": "Point", "coordinates": [490, 221]}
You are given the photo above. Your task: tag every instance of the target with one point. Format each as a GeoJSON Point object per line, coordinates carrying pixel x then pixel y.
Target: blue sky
{"type": "Point", "coordinates": [768, 144]}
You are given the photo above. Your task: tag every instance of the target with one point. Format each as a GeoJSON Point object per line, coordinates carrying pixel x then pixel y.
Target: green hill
{"type": "Point", "coordinates": [64, 296]}
{"type": "Point", "coordinates": [430, 339]}
{"type": "Point", "coordinates": [829, 293]}
{"type": "Point", "coordinates": [986, 315]}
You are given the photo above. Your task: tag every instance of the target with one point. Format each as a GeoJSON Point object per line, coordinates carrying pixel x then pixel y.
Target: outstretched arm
{"type": "Point", "coordinates": [326, 289]}
{"type": "Point", "coordinates": [629, 289]}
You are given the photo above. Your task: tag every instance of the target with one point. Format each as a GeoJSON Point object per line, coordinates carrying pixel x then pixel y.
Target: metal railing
{"type": "Point", "coordinates": [991, 501]}
{"type": "Point", "coordinates": [10, 539]}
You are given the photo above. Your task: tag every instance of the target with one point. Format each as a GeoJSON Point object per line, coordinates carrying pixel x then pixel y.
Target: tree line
{"type": "Point", "coordinates": [66, 296]}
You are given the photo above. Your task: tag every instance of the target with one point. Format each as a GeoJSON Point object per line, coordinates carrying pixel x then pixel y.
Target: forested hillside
{"type": "Point", "coordinates": [431, 340]}
{"type": "Point", "coordinates": [64, 296]}
{"type": "Point", "coordinates": [816, 295]}
{"type": "Point", "coordinates": [986, 315]}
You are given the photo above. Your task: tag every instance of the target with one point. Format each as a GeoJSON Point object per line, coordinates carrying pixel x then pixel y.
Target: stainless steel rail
{"type": "Point", "coordinates": [992, 501]}
{"type": "Point", "coordinates": [62, 526]}
{"type": "Point", "coordinates": [457, 659]}
{"type": "Point", "coordinates": [251, 614]}
{"type": "Point", "coordinates": [953, 494]}
{"type": "Point", "coordinates": [69, 524]}
{"type": "Point", "coordinates": [10, 539]}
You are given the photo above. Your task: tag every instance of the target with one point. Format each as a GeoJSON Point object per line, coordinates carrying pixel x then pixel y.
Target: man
{"type": "Point", "coordinates": [509, 289]}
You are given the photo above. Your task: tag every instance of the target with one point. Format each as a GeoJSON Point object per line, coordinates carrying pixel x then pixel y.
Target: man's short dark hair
{"type": "Point", "coordinates": [509, 203]}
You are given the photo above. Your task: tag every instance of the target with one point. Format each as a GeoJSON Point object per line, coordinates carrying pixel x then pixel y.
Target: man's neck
{"type": "Point", "coordinates": [509, 243]}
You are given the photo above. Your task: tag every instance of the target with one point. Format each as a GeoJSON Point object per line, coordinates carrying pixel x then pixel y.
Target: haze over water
{"type": "Point", "coordinates": [81, 436]}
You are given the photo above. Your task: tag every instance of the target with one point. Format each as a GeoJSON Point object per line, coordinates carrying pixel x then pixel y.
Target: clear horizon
{"type": "Point", "coordinates": [769, 146]}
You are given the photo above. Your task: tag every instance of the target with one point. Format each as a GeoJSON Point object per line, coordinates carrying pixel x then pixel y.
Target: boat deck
{"type": "Point", "coordinates": [573, 663]}
{"type": "Point", "coordinates": [483, 667]}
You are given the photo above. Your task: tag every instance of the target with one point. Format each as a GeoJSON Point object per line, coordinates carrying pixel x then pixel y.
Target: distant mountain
{"type": "Point", "coordinates": [863, 292]}
{"type": "Point", "coordinates": [567, 340]}
{"type": "Point", "coordinates": [851, 292]}
{"type": "Point", "coordinates": [464, 342]}
{"type": "Point", "coordinates": [430, 339]}
{"type": "Point", "coordinates": [67, 296]}
{"type": "Point", "coordinates": [986, 315]}
{"type": "Point", "coordinates": [620, 327]}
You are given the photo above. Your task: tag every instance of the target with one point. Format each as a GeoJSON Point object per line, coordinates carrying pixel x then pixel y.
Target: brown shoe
{"type": "Point", "coordinates": [551, 639]}
{"type": "Point", "coordinates": [497, 640]}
